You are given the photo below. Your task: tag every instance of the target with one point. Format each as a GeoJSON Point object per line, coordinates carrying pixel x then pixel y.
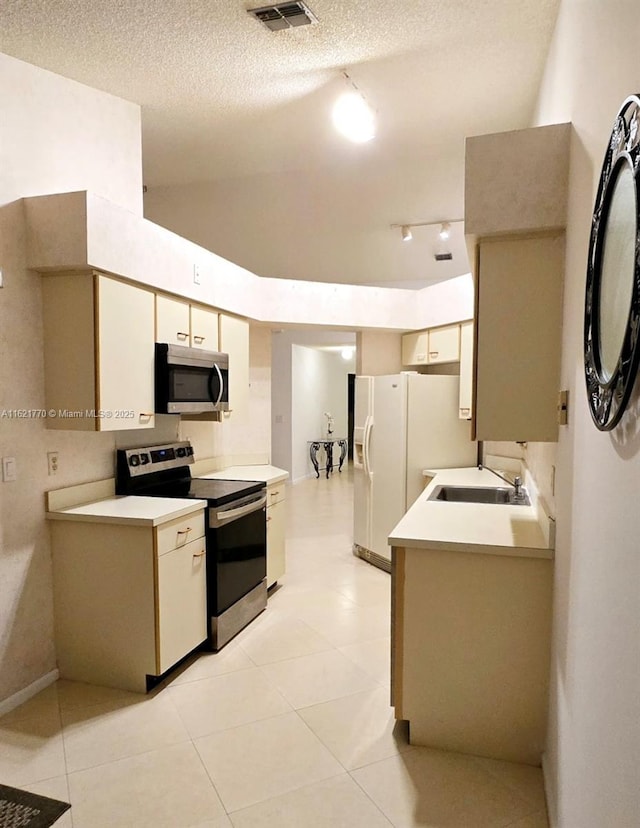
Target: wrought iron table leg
{"type": "Point", "coordinates": [328, 448]}
{"type": "Point", "coordinates": [313, 449]}
{"type": "Point", "coordinates": [343, 453]}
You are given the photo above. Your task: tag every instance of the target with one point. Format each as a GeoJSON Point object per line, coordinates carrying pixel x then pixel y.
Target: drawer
{"type": "Point", "coordinates": [275, 493]}
{"type": "Point", "coordinates": [179, 532]}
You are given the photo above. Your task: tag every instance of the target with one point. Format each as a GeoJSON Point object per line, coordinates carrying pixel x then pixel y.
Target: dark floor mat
{"type": "Point", "coordinates": [21, 809]}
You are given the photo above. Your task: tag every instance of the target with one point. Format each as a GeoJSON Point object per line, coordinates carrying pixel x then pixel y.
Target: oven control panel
{"type": "Point", "coordinates": [149, 459]}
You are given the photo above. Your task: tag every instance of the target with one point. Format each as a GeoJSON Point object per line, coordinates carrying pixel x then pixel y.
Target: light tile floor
{"type": "Point", "coordinates": [288, 727]}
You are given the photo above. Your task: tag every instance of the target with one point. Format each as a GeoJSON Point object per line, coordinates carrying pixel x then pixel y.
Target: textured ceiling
{"type": "Point", "coordinates": [223, 97]}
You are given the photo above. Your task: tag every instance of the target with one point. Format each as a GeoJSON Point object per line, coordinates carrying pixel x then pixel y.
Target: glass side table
{"type": "Point", "coordinates": [327, 443]}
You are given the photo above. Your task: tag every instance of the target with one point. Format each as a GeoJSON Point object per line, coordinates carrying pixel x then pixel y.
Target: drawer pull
{"type": "Point", "coordinates": [146, 414]}
{"type": "Point", "coordinates": [275, 494]}
{"type": "Point", "coordinates": [182, 335]}
{"type": "Point", "coordinates": [198, 554]}
{"type": "Point", "coordinates": [433, 353]}
{"type": "Point", "coordinates": [184, 531]}
{"type": "Point", "coordinates": [465, 410]}
{"type": "Point", "coordinates": [420, 357]}
{"type": "Point", "coordinates": [198, 339]}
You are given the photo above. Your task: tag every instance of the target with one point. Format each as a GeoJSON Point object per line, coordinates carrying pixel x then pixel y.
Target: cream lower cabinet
{"type": "Point", "coordinates": [129, 601]}
{"type": "Point", "coordinates": [180, 323]}
{"type": "Point", "coordinates": [234, 341]}
{"type": "Point", "coordinates": [98, 353]}
{"type": "Point", "coordinates": [471, 639]}
{"type": "Point", "coordinates": [276, 519]}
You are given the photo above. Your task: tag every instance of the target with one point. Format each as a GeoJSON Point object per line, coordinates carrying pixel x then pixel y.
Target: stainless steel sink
{"type": "Point", "coordinates": [479, 494]}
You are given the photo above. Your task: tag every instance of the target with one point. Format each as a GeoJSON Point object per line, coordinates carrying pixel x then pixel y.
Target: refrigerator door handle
{"type": "Point", "coordinates": [366, 446]}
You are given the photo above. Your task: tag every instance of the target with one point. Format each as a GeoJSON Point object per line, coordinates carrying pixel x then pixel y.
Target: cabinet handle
{"type": "Point", "coordinates": [198, 554]}
{"type": "Point", "coordinates": [268, 519]}
{"type": "Point", "coordinates": [184, 531]}
{"type": "Point", "coordinates": [199, 339]}
{"type": "Point", "coordinates": [433, 353]}
{"type": "Point", "coordinates": [420, 357]}
{"type": "Point", "coordinates": [465, 410]}
{"type": "Point", "coordinates": [146, 415]}
{"type": "Point", "coordinates": [182, 335]}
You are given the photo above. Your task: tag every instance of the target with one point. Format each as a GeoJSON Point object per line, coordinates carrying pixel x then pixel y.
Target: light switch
{"type": "Point", "coordinates": [9, 470]}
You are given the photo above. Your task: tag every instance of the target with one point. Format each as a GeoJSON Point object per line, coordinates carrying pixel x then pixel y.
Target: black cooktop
{"type": "Point", "coordinates": [216, 492]}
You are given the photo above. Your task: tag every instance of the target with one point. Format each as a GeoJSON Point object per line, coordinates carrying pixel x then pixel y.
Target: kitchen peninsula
{"type": "Point", "coordinates": [471, 621]}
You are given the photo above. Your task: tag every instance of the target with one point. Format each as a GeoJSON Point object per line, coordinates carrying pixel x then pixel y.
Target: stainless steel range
{"type": "Point", "coordinates": [236, 533]}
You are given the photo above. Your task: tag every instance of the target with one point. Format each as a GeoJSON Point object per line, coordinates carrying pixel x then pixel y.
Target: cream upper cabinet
{"type": "Point", "coordinates": [99, 353]}
{"type": "Point", "coordinates": [519, 325]}
{"type": "Point", "coordinates": [234, 340]}
{"type": "Point", "coordinates": [180, 323]}
{"type": "Point", "coordinates": [444, 344]}
{"type": "Point", "coordinates": [432, 346]}
{"type": "Point", "coordinates": [275, 532]}
{"type": "Point", "coordinates": [203, 328]}
{"type": "Point", "coordinates": [415, 347]}
{"type": "Point", "coordinates": [466, 370]}
{"type": "Point", "coordinates": [172, 321]}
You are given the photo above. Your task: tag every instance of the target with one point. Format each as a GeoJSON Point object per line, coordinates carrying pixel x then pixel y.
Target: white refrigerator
{"type": "Point", "coordinates": [403, 423]}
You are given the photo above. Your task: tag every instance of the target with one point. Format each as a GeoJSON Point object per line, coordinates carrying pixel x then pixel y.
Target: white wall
{"type": "Point", "coordinates": [319, 384]}
{"type": "Point", "coordinates": [593, 758]}
{"type": "Point", "coordinates": [59, 136]}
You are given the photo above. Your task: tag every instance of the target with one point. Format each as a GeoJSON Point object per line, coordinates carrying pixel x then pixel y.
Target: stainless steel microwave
{"type": "Point", "coordinates": [190, 380]}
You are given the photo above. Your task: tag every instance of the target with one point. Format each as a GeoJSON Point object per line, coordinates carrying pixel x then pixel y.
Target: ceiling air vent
{"type": "Point", "coordinates": [284, 16]}
{"type": "Point", "coordinates": [443, 257]}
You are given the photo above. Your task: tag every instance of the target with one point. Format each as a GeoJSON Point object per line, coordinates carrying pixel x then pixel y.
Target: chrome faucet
{"type": "Point", "coordinates": [516, 482]}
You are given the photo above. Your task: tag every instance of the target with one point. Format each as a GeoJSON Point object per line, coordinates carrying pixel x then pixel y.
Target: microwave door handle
{"type": "Point", "coordinates": [217, 403]}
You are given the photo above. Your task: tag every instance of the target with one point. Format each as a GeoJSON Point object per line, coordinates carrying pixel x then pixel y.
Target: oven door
{"type": "Point", "coordinates": [236, 550]}
{"type": "Point", "coordinates": [190, 381]}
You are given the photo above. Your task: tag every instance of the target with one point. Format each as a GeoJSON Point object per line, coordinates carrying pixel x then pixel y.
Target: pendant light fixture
{"type": "Point", "coordinates": [352, 116]}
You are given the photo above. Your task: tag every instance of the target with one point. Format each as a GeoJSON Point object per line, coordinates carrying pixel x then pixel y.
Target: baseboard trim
{"type": "Point", "coordinates": [549, 793]}
{"type": "Point", "coordinates": [7, 705]}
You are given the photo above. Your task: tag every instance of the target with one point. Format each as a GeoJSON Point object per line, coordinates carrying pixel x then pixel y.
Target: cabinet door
{"type": "Point", "coordinates": [234, 340]}
{"type": "Point", "coordinates": [182, 602]}
{"type": "Point", "coordinates": [125, 355]}
{"type": "Point", "coordinates": [444, 345]}
{"type": "Point", "coordinates": [275, 541]}
{"type": "Point", "coordinates": [415, 347]}
{"type": "Point", "coordinates": [204, 328]}
{"type": "Point", "coordinates": [519, 320]}
{"type": "Point", "coordinates": [466, 370]}
{"type": "Point", "coordinates": [172, 321]}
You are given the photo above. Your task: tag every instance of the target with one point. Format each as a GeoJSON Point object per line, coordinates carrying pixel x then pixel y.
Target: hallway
{"type": "Point", "coordinates": [288, 727]}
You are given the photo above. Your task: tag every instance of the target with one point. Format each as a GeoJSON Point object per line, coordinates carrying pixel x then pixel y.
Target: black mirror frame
{"type": "Point", "coordinates": [609, 397]}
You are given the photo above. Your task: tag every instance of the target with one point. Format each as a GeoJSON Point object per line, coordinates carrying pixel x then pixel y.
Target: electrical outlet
{"type": "Point", "coordinates": [9, 471]}
{"type": "Point", "coordinates": [52, 462]}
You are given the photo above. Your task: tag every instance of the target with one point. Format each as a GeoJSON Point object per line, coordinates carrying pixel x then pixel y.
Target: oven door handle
{"type": "Point", "coordinates": [221, 516]}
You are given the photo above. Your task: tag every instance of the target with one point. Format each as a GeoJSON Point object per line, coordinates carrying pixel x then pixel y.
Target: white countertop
{"type": "Point", "coordinates": [263, 474]}
{"type": "Point", "coordinates": [471, 527]}
{"type": "Point", "coordinates": [133, 510]}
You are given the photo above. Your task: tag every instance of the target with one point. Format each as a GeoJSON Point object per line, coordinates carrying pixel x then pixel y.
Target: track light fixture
{"type": "Point", "coordinates": [352, 116]}
{"type": "Point", "coordinates": [444, 233]}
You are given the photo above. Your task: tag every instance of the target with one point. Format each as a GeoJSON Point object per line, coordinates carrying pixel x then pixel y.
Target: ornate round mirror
{"type": "Point", "coordinates": [612, 305]}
